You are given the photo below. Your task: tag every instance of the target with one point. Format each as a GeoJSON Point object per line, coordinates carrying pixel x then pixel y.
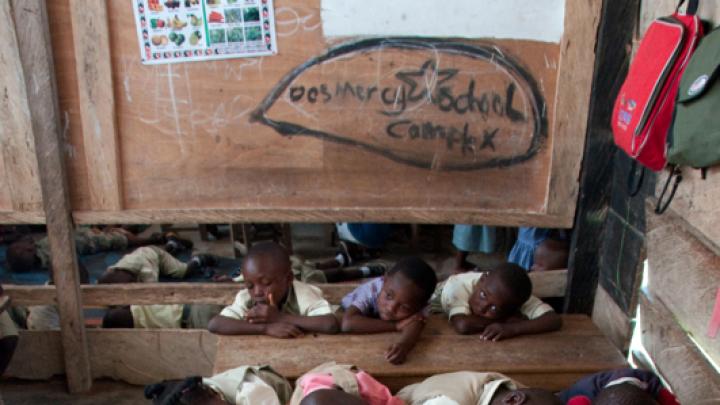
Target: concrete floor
{"type": "Point", "coordinates": [310, 241]}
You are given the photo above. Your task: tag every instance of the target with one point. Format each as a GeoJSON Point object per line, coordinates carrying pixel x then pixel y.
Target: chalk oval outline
{"type": "Point", "coordinates": [488, 53]}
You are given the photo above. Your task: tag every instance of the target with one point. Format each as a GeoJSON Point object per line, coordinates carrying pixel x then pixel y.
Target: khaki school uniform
{"type": "Point", "coordinates": [149, 262]}
{"type": "Point", "coordinates": [454, 297]}
{"type": "Point", "coordinates": [460, 388]}
{"type": "Point", "coordinates": [7, 326]}
{"type": "Point", "coordinates": [87, 241]}
{"type": "Point", "coordinates": [251, 386]}
{"type": "Point", "coordinates": [43, 317]}
{"type": "Point", "coordinates": [303, 299]}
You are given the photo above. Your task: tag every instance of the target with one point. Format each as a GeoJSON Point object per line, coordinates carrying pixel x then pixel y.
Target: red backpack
{"type": "Point", "coordinates": [644, 106]}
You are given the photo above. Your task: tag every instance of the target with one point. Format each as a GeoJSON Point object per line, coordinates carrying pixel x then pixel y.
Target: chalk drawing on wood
{"type": "Point", "coordinates": [427, 103]}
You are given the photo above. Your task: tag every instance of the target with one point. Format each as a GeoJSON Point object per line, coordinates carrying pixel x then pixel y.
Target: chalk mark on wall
{"type": "Point", "coordinates": [471, 139]}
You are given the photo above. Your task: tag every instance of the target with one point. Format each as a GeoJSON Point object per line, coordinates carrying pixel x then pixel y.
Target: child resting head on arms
{"type": "Point", "coordinates": [497, 304]}
{"type": "Point", "coordinates": [273, 302]}
{"type": "Point", "coordinates": [394, 302]}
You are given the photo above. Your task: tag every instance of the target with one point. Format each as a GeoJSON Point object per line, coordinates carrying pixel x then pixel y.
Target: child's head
{"type": "Point", "coordinates": [330, 397]}
{"type": "Point", "coordinates": [115, 275]}
{"type": "Point", "coordinates": [406, 290]}
{"type": "Point", "coordinates": [624, 394]}
{"type": "Point", "coordinates": [526, 396]}
{"type": "Point", "coordinates": [267, 272]}
{"type": "Point", "coordinates": [500, 292]}
{"type": "Point", "coordinates": [189, 391]}
{"type": "Point", "coordinates": [551, 254]}
{"type": "Point", "coordinates": [21, 255]}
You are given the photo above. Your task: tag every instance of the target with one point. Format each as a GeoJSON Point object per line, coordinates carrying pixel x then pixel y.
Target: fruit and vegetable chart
{"type": "Point", "coordinates": [189, 30]}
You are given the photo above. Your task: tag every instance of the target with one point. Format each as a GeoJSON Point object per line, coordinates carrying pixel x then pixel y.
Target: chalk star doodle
{"type": "Point", "coordinates": [432, 77]}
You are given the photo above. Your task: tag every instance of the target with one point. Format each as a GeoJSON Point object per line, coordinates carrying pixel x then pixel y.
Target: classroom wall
{"type": "Point", "coordinates": [201, 136]}
{"type": "Point", "coordinates": [682, 248]}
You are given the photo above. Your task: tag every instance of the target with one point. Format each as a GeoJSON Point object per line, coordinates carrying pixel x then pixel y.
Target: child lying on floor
{"type": "Point", "coordinates": [392, 303]}
{"type": "Point", "coordinates": [273, 303]}
{"type": "Point", "coordinates": [27, 254]}
{"type": "Point", "coordinates": [332, 383]}
{"type": "Point", "coordinates": [497, 304]}
{"type": "Point", "coordinates": [243, 385]}
{"type": "Point", "coordinates": [466, 387]}
{"type": "Point", "coordinates": [146, 265]}
{"type": "Point", "coordinates": [621, 386]}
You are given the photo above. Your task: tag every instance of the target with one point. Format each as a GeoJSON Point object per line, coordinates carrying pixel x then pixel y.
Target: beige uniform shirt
{"type": "Point", "coordinates": [461, 388]}
{"type": "Point", "coordinates": [7, 326]}
{"type": "Point", "coordinates": [250, 386]}
{"type": "Point", "coordinates": [157, 316]}
{"type": "Point", "coordinates": [457, 290]}
{"type": "Point", "coordinates": [303, 299]}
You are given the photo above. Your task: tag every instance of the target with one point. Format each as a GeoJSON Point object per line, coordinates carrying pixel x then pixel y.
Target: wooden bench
{"type": "Point", "coordinates": [545, 284]}
{"type": "Point", "coordinates": [553, 360]}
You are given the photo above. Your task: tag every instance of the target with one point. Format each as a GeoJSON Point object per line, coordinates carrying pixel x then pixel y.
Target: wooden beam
{"type": "Point", "coordinates": [147, 356]}
{"type": "Point", "coordinates": [91, 39]}
{"type": "Point", "coordinates": [136, 356]}
{"type": "Point", "coordinates": [15, 217]}
{"type": "Point", "coordinates": [390, 215]}
{"type": "Point", "coordinates": [692, 378]}
{"type": "Point", "coordinates": [577, 64]}
{"type": "Point", "coordinates": [608, 316]}
{"type": "Point", "coordinates": [37, 63]}
{"type": "Point", "coordinates": [16, 136]}
{"type": "Point", "coordinates": [545, 284]}
{"type": "Point", "coordinates": [618, 20]}
{"type": "Point", "coordinates": [551, 360]}
{"type": "Point", "coordinates": [685, 275]}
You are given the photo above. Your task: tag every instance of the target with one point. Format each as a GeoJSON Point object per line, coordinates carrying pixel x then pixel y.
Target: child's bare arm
{"type": "Point", "coordinates": [397, 352]}
{"type": "Point", "coordinates": [263, 314]}
{"type": "Point", "coordinates": [355, 321]}
{"type": "Point", "coordinates": [223, 325]}
{"type": "Point", "coordinates": [321, 324]}
{"type": "Point", "coordinates": [469, 324]}
{"type": "Point", "coordinates": [548, 322]}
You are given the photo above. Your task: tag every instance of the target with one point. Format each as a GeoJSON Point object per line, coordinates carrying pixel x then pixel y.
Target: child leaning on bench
{"type": "Point", "coordinates": [395, 302]}
{"type": "Point", "coordinates": [497, 304]}
{"type": "Point", "coordinates": [273, 302]}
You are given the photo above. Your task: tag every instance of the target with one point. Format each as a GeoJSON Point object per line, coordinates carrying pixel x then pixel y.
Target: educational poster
{"type": "Point", "coordinates": [189, 30]}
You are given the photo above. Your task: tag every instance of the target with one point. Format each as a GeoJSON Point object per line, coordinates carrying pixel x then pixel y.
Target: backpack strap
{"type": "Point", "coordinates": [633, 185]}
{"type": "Point", "coordinates": [691, 8]}
{"type": "Point", "coordinates": [661, 207]}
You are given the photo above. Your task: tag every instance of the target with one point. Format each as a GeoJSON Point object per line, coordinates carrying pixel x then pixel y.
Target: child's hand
{"type": "Point", "coordinates": [263, 313]}
{"type": "Point", "coordinates": [282, 330]}
{"type": "Point", "coordinates": [418, 317]}
{"type": "Point", "coordinates": [498, 331]}
{"type": "Point", "coordinates": [397, 353]}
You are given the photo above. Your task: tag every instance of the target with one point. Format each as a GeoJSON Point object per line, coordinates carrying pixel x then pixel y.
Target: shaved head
{"type": "Point", "coordinates": [269, 256]}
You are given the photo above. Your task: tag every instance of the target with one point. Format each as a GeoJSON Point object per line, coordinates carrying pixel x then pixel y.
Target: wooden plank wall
{"type": "Point", "coordinates": [20, 193]}
{"type": "Point", "coordinates": [188, 131]}
{"type": "Point", "coordinates": [684, 271]}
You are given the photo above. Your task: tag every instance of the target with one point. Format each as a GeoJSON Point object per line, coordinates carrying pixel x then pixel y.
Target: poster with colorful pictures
{"type": "Point", "coordinates": [188, 30]}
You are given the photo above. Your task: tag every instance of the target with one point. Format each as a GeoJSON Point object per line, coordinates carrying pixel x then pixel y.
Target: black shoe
{"type": "Point", "coordinates": [345, 253]}
{"type": "Point", "coordinates": [205, 260]}
{"type": "Point", "coordinates": [175, 244]}
{"type": "Point", "coordinates": [377, 269]}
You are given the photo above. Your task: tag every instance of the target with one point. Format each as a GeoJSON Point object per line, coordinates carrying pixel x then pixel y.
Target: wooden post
{"type": "Point", "coordinates": [91, 39]}
{"type": "Point", "coordinates": [17, 148]}
{"type": "Point", "coordinates": [33, 35]}
{"type": "Point", "coordinates": [613, 56]}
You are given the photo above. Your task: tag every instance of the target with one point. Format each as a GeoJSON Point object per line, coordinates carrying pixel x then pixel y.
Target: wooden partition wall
{"type": "Point", "coordinates": [388, 129]}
